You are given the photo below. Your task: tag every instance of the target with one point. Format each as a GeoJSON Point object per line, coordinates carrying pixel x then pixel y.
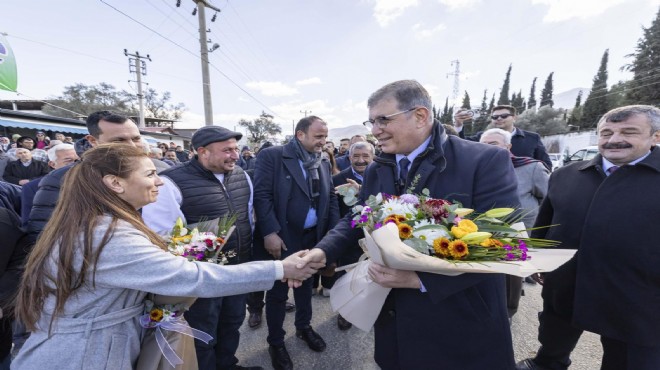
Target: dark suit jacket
{"type": "Point", "coordinates": [461, 321]}
{"type": "Point", "coordinates": [343, 162]}
{"type": "Point", "coordinates": [282, 199]}
{"type": "Point", "coordinates": [523, 144]}
{"type": "Point", "coordinates": [618, 280]}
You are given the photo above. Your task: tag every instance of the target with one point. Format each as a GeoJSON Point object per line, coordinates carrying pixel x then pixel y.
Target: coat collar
{"type": "Point", "coordinates": [290, 160]}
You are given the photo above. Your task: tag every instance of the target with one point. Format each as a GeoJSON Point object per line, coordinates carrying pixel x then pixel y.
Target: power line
{"type": "Point", "coordinates": [196, 56]}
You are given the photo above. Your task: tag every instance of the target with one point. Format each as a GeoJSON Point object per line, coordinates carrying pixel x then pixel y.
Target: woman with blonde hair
{"type": "Point", "coordinates": [87, 277]}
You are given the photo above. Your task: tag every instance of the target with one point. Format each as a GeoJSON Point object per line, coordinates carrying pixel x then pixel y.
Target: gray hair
{"type": "Point", "coordinates": [155, 150]}
{"type": "Point", "coordinates": [623, 113]}
{"type": "Point", "coordinates": [52, 152]}
{"type": "Point", "coordinates": [407, 93]}
{"type": "Point", "coordinates": [506, 135]}
{"type": "Point", "coordinates": [361, 145]}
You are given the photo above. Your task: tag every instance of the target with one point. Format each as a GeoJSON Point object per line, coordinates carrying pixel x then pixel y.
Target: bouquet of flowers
{"type": "Point", "coordinates": [205, 246]}
{"type": "Point", "coordinates": [168, 342]}
{"type": "Point", "coordinates": [420, 233]}
{"type": "Point", "coordinates": [439, 228]}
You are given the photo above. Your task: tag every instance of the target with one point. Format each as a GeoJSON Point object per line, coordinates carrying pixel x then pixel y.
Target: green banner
{"type": "Point", "coordinates": [8, 76]}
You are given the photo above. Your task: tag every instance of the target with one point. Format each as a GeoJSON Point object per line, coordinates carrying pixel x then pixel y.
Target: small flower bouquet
{"type": "Point", "coordinates": [420, 233]}
{"type": "Point", "coordinates": [168, 341]}
{"type": "Point", "coordinates": [204, 246]}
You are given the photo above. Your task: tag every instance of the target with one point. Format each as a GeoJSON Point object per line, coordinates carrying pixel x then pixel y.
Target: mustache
{"type": "Point", "coordinates": [616, 146]}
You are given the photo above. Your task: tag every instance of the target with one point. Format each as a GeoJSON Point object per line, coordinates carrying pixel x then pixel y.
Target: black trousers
{"type": "Point", "coordinates": [276, 302]}
{"type": "Point", "coordinates": [557, 336]}
{"type": "Point", "coordinates": [619, 355]}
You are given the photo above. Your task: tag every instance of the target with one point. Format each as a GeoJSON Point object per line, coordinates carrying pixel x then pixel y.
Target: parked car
{"type": "Point", "coordinates": [584, 154]}
{"type": "Point", "coordinates": [557, 160]}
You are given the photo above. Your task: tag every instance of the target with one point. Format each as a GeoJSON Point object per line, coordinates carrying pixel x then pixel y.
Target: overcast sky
{"type": "Point", "coordinates": [318, 55]}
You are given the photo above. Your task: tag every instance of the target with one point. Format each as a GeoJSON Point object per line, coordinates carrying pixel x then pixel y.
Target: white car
{"type": "Point", "coordinates": [557, 160]}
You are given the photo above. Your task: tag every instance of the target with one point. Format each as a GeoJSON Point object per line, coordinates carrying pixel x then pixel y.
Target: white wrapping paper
{"type": "Point", "coordinates": [359, 300]}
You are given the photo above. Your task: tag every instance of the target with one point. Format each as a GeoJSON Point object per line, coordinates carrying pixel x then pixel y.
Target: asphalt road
{"type": "Point", "coordinates": [353, 349]}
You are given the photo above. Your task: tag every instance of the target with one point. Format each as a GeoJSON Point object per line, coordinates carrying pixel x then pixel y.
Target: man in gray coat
{"type": "Point", "coordinates": [532, 178]}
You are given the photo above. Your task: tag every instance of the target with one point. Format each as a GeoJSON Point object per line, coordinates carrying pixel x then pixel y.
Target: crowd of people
{"type": "Point", "coordinates": [83, 239]}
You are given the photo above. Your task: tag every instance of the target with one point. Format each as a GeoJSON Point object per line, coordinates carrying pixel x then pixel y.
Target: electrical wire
{"type": "Point", "coordinates": [196, 56]}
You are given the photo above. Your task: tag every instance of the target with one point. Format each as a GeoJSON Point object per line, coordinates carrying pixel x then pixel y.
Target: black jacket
{"type": "Point", "coordinates": [610, 220]}
{"type": "Point", "coordinates": [15, 171]}
{"type": "Point", "coordinates": [44, 201]}
{"type": "Point", "coordinates": [523, 144]}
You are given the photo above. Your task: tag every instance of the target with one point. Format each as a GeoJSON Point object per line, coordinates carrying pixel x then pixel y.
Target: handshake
{"type": "Point", "coordinates": [302, 265]}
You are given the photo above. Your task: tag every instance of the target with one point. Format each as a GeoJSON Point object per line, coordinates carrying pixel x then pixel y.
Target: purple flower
{"type": "Point", "coordinates": [507, 247]}
{"type": "Point", "coordinates": [377, 225]}
{"type": "Point", "coordinates": [523, 256]}
{"type": "Point", "coordinates": [364, 218]}
{"type": "Point", "coordinates": [510, 256]}
{"type": "Point", "coordinates": [409, 198]}
{"type": "Point", "coordinates": [199, 256]}
{"type": "Point", "coordinates": [353, 224]}
{"type": "Point", "coordinates": [522, 246]}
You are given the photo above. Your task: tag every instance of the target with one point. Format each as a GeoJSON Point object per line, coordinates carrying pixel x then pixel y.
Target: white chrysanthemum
{"type": "Point", "coordinates": [428, 234]}
{"type": "Point", "coordinates": [398, 207]}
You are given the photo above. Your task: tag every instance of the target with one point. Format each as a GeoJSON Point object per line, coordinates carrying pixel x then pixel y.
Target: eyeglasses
{"type": "Point", "coordinates": [382, 121]}
{"type": "Point", "coordinates": [495, 117]}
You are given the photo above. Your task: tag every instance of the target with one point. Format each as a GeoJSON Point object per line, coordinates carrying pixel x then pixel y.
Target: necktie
{"type": "Point", "coordinates": [612, 169]}
{"type": "Point", "coordinates": [403, 170]}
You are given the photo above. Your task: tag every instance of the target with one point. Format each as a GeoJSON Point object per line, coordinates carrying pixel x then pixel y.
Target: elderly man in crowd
{"type": "Point", "coordinates": [23, 170]}
{"type": "Point", "coordinates": [605, 209]}
{"type": "Point", "coordinates": [59, 156]}
{"type": "Point", "coordinates": [532, 187]}
{"type": "Point", "coordinates": [344, 161]}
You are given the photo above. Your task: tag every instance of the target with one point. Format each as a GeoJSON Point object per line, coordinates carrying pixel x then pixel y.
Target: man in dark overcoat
{"type": "Point", "coordinates": [432, 321]}
{"type": "Point", "coordinates": [605, 208]}
{"type": "Point", "coordinates": [295, 205]}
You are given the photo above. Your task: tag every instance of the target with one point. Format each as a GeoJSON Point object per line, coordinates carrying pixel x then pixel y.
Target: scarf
{"type": "Point", "coordinates": [311, 163]}
{"type": "Point", "coordinates": [521, 161]}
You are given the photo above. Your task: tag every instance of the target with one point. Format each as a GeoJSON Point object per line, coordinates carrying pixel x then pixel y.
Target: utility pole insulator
{"type": "Point", "coordinates": [139, 67]}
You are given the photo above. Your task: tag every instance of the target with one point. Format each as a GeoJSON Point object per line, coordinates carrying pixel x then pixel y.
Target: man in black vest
{"type": "Point", "coordinates": [208, 187]}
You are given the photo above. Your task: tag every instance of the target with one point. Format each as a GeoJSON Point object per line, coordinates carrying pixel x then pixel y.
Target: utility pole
{"type": "Point", "coordinates": [206, 81]}
{"type": "Point", "coordinates": [305, 112]}
{"type": "Point", "coordinates": [137, 65]}
{"type": "Point", "coordinates": [457, 74]}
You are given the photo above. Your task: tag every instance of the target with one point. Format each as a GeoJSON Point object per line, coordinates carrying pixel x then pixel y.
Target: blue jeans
{"type": "Point", "coordinates": [221, 318]}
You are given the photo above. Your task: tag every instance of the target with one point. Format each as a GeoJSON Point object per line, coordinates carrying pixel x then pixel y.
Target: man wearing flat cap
{"type": "Point", "coordinates": [208, 187]}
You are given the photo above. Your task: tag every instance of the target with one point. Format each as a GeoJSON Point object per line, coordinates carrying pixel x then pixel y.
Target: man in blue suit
{"type": "Point", "coordinates": [296, 205]}
{"type": "Point", "coordinates": [432, 321]}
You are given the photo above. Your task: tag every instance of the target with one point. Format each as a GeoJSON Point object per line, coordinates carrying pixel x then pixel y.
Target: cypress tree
{"type": "Point", "coordinates": [466, 101]}
{"type": "Point", "coordinates": [482, 121]}
{"type": "Point", "coordinates": [518, 102]}
{"type": "Point", "coordinates": [644, 88]}
{"type": "Point", "coordinates": [531, 103]}
{"type": "Point", "coordinates": [596, 104]}
{"type": "Point", "coordinates": [504, 93]}
{"type": "Point", "coordinates": [546, 93]}
{"type": "Point", "coordinates": [576, 113]}
{"type": "Point", "coordinates": [492, 104]}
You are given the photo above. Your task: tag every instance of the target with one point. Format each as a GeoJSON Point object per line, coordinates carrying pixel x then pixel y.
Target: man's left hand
{"type": "Point", "coordinates": [392, 278]}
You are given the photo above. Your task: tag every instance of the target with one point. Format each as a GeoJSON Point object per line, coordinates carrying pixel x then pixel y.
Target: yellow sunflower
{"type": "Point", "coordinates": [405, 231]}
{"type": "Point", "coordinates": [458, 249]}
{"type": "Point", "coordinates": [156, 314]}
{"type": "Point", "coordinates": [441, 247]}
